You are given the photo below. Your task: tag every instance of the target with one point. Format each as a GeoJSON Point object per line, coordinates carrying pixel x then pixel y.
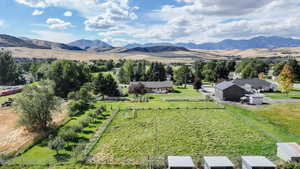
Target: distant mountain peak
{"type": "Point", "coordinates": [86, 44]}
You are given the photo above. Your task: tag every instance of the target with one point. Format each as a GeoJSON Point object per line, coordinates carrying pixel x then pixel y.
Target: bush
{"type": "Point", "coordinates": [58, 143]}
{"type": "Point", "coordinates": [77, 127]}
{"type": "Point", "coordinates": [84, 122]}
{"type": "Point", "coordinates": [291, 166]}
{"type": "Point", "coordinates": [68, 134]}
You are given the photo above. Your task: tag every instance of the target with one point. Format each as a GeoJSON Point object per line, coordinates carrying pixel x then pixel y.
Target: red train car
{"type": "Point", "coordinates": [10, 91]}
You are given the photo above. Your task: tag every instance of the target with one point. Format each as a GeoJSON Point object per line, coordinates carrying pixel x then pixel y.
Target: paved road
{"type": "Point", "coordinates": [272, 101]}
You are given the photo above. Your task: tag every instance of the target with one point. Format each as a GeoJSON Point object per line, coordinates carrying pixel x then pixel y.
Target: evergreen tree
{"type": "Point", "coordinates": [9, 73]}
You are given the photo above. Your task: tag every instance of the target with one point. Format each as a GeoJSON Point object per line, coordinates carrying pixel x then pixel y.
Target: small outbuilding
{"type": "Point", "coordinates": [257, 162]}
{"type": "Point", "coordinates": [256, 99]}
{"type": "Point", "coordinates": [180, 162]}
{"type": "Point", "coordinates": [156, 86]}
{"type": "Point", "coordinates": [228, 91]}
{"type": "Point", "coordinates": [289, 152]}
{"type": "Point", "coordinates": [217, 162]}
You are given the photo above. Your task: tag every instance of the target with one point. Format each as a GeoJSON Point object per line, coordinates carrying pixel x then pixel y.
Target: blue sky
{"type": "Point", "coordinates": [120, 22]}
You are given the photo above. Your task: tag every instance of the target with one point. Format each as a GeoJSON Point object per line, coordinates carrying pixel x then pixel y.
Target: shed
{"type": "Point", "coordinates": [229, 91]}
{"type": "Point", "coordinates": [257, 162]}
{"type": "Point", "coordinates": [289, 152]}
{"type": "Point", "coordinates": [217, 162]}
{"type": "Point", "coordinates": [180, 162]}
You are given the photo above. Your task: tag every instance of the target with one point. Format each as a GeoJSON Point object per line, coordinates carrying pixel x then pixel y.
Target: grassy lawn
{"type": "Point", "coordinates": [275, 121]}
{"type": "Point", "coordinates": [286, 115]}
{"type": "Point", "coordinates": [40, 154]}
{"type": "Point", "coordinates": [179, 132]}
{"type": "Point", "coordinates": [295, 94]}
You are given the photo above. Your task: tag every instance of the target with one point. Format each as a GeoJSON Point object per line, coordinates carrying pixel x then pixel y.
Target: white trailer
{"type": "Point", "coordinates": [257, 162]}
{"type": "Point", "coordinates": [289, 152]}
{"type": "Point", "coordinates": [217, 162]}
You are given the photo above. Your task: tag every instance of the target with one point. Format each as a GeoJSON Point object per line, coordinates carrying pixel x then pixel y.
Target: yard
{"type": "Point", "coordinates": [179, 132]}
{"type": "Point", "coordinates": [295, 94]}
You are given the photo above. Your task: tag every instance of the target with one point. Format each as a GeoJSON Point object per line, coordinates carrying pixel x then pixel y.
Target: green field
{"type": "Point", "coordinates": [159, 128]}
{"type": "Point", "coordinates": [179, 132]}
{"type": "Point", "coordinates": [295, 94]}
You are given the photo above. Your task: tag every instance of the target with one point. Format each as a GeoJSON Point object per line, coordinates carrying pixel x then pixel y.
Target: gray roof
{"type": "Point", "coordinates": [153, 84]}
{"type": "Point", "coordinates": [291, 149]}
{"type": "Point", "coordinates": [254, 82]}
{"type": "Point", "coordinates": [224, 85]}
{"type": "Point", "coordinates": [180, 161]}
{"type": "Point", "coordinates": [258, 161]}
{"type": "Point", "coordinates": [218, 161]}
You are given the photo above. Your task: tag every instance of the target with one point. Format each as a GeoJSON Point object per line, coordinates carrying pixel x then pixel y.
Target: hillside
{"type": "Point", "coordinates": [11, 41]}
{"type": "Point", "coordinates": [95, 44]}
{"type": "Point", "coordinates": [155, 49]}
{"type": "Point", "coordinates": [53, 45]}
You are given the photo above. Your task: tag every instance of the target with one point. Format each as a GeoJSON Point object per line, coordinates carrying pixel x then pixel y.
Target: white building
{"type": "Point", "coordinates": [257, 162]}
{"type": "Point", "coordinates": [289, 152]}
{"type": "Point", "coordinates": [180, 162]}
{"type": "Point", "coordinates": [217, 162]}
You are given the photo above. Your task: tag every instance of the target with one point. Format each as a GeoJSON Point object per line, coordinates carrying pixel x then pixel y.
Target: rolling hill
{"type": "Point", "coordinates": [155, 49]}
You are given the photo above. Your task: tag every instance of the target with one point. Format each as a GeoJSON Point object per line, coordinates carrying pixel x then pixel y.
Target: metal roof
{"type": "Point", "coordinates": [291, 149]}
{"type": "Point", "coordinates": [218, 161]}
{"type": "Point", "coordinates": [254, 82]}
{"type": "Point", "coordinates": [258, 161]}
{"type": "Point", "coordinates": [224, 85]}
{"type": "Point", "coordinates": [180, 161]}
{"type": "Point", "coordinates": [153, 84]}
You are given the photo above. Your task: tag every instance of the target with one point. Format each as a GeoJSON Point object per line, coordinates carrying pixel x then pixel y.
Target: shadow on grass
{"type": "Point", "coordinates": [88, 132]}
{"type": "Point", "coordinates": [62, 157]}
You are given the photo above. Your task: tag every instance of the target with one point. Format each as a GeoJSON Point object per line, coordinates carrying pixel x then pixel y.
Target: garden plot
{"type": "Point", "coordinates": [132, 138]}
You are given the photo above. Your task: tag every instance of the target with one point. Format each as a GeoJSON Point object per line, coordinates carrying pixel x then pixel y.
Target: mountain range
{"type": "Point", "coordinates": [99, 46]}
{"type": "Point", "coordinates": [229, 44]}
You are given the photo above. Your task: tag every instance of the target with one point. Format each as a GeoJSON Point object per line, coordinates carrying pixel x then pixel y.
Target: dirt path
{"type": "Point", "coordinates": [14, 137]}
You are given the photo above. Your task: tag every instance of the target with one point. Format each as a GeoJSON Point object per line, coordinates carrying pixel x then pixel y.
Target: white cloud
{"type": "Point", "coordinates": [37, 12]}
{"type": "Point", "coordinates": [61, 37]}
{"type": "Point", "coordinates": [68, 14]}
{"type": "Point", "coordinates": [98, 14]}
{"type": "Point", "coordinates": [55, 23]}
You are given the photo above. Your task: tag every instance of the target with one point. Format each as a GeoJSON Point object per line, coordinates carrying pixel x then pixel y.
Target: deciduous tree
{"type": "Point", "coordinates": [286, 79]}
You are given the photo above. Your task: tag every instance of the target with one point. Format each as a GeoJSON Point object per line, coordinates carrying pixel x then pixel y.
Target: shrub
{"type": "Point", "coordinates": [291, 166]}
{"type": "Point", "coordinates": [68, 134]}
{"type": "Point", "coordinates": [84, 122]}
{"type": "Point", "coordinates": [58, 143]}
{"type": "Point", "coordinates": [77, 127]}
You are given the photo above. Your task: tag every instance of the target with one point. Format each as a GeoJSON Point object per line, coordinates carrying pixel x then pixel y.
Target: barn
{"type": "Point", "coordinates": [228, 91]}
{"type": "Point", "coordinates": [217, 162]}
{"type": "Point", "coordinates": [180, 162]}
{"type": "Point", "coordinates": [289, 152]}
{"type": "Point", "coordinates": [257, 162]}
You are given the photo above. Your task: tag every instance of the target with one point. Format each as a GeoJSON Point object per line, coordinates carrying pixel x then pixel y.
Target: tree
{"type": "Point", "coordinates": [198, 66]}
{"type": "Point", "coordinates": [137, 89]}
{"type": "Point", "coordinates": [170, 72]}
{"type": "Point", "coordinates": [36, 105]}
{"type": "Point", "coordinates": [197, 83]}
{"type": "Point", "coordinates": [9, 74]}
{"type": "Point", "coordinates": [250, 68]}
{"type": "Point", "coordinates": [156, 72]}
{"type": "Point", "coordinates": [286, 79]}
{"type": "Point", "coordinates": [209, 71]}
{"type": "Point", "coordinates": [277, 68]}
{"type": "Point", "coordinates": [68, 76]}
{"type": "Point", "coordinates": [122, 76]}
{"type": "Point", "coordinates": [296, 68]}
{"type": "Point", "coordinates": [183, 75]}
{"type": "Point", "coordinates": [129, 71]}
{"type": "Point", "coordinates": [58, 143]}
{"type": "Point", "coordinates": [105, 85]}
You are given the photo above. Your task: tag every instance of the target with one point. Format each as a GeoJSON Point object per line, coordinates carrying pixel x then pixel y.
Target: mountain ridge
{"type": "Point", "coordinates": [229, 44]}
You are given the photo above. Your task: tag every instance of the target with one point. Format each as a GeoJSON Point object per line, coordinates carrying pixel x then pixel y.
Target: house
{"type": "Point", "coordinates": [254, 83]}
{"type": "Point", "coordinates": [217, 162]}
{"type": "Point", "coordinates": [257, 162]}
{"type": "Point", "coordinates": [180, 162]}
{"type": "Point", "coordinates": [289, 152]}
{"type": "Point", "coordinates": [229, 91]}
{"type": "Point", "coordinates": [156, 87]}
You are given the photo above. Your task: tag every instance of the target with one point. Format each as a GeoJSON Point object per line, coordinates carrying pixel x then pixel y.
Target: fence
{"type": "Point", "coordinates": [98, 134]}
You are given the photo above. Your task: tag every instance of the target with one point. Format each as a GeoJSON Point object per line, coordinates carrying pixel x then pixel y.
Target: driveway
{"type": "Point", "coordinates": [272, 101]}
